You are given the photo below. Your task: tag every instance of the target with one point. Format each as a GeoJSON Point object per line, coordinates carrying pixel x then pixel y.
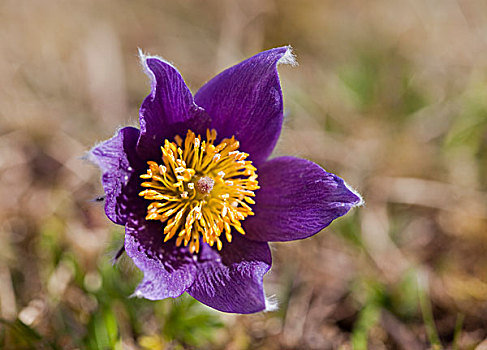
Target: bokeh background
{"type": "Point", "coordinates": [390, 95]}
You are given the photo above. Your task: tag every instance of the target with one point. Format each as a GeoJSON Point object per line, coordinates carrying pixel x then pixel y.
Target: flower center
{"type": "Point", "coordinates": [200, 190]}
{"type": "Point", "coordinates": [205, 184]}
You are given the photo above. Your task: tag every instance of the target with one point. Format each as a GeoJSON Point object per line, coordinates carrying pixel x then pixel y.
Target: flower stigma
{"type": "Point", "coordinates": [200, 190]}
{"type": "Point", "coordinates": [205, 184]}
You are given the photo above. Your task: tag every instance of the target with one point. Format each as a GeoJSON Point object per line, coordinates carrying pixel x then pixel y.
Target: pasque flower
{"type": "Point", "coordinates": [196, 192]}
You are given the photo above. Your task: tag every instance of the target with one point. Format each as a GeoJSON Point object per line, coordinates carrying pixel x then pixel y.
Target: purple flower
{"type": "Point", "coordinates": [195, 190]}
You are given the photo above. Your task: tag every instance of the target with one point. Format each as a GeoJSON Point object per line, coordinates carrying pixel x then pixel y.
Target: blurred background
{"type": "Point", "coordinates": [390, 95]}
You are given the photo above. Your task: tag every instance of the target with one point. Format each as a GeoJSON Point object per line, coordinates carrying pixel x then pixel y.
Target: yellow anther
{"type": "Point", "coordinates": [201, 189]}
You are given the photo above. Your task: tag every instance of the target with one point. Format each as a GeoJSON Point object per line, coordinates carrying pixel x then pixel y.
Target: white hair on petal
{"type": "Point", "coordinates": [136, 294]}
{"type": "Point", "coordinates": [88, 156]}
{"type": "Point", "coordinates": [354, 191]}
{"type": "Point", "coordinates": [288, 58]}
{"type": "Point", "coordinates": [143, 57]}
{"type": "Point", "coordinates": [271, 303]}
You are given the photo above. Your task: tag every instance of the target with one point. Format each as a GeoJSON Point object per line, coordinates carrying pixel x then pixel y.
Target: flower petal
{"type": "Point", "coordinates": [168, 270]}
{"type": "Point", "coordinates": [297, 199]}
{"type": "Point", "coordinates": [168, 110]}
{"type": "Point", "coordinates": [245, 101]}
{"type": "Point", "coordinates": [117, 160]}
{"type": "Point", "coordinates": [232, 280]}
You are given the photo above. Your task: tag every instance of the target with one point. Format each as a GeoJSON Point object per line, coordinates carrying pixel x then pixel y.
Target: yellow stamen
{"type": "Point", "coordinates": [200, 190]}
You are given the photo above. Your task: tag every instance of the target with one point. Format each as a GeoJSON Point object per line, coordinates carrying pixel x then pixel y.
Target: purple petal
{"type": "Point", "coordinates": [231, 280]}
{"type": "Point", "coordinates": [246, 101]}
{"type": "Point", "coordinates": [118, 160]}
{"type": "Point", "coordinates": [297, 199]}
{"type": "Point", "coordinates": [169, 108]}
{"type": "Point", "coordinates": [168, 270]}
